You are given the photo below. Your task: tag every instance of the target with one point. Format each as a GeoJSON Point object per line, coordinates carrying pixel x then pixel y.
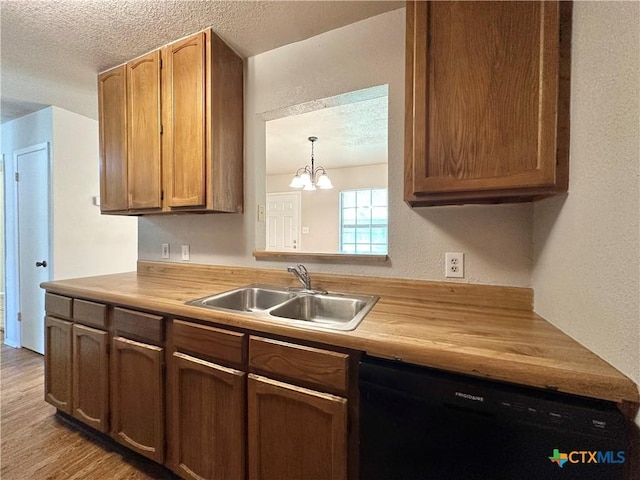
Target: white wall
{"type": "Point", "coordinates": [2, 226]}
{"type": "Point", "coordinates": [84, 242]}
{"type": "Point", "coordinates": [587, 244]}
{"type": "Point", "coordinates": [2, 245]}
{"type": "Point", "coordinates": [496, 239]}
{"type": "Point", "coordinates": [320, 209]}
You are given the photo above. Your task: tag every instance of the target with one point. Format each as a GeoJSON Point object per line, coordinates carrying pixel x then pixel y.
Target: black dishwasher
{"type": "Point", "coordinates": [418, 423]}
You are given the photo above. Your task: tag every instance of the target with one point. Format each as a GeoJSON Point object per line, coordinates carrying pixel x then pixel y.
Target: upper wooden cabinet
{"type": "Point", "coordinates": [143, 133]}
{"type": "Point", "coordinates": [112, 96]}
{"type": "Point", "coordinates": [185, 138]}
{"type": "Point", "coordinates": [171, 130]}
{"type": "Point", "coordinates": [487, 101]}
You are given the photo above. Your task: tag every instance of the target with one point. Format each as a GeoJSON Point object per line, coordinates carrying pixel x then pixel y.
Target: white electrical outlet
{"type": "Point", "coordinates": [165, 250]}
{"type": "Point", "coordinates": [454, 265]}
{"type": "Point", "coordinates": [185, 253]}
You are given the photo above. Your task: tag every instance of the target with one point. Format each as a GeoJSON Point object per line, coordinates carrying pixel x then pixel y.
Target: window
{"type": "Point", "coordinates": [364, 221]}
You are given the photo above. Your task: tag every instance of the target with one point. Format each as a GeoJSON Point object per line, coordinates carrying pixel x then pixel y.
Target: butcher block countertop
{"type": "Point", "coordinates": [485, 331]}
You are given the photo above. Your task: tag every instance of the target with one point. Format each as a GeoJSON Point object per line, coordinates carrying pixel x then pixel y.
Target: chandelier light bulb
{"type": "Point", "coordinates": [296, 182]}
{"type": "Point", "coordinates": [324, 183]}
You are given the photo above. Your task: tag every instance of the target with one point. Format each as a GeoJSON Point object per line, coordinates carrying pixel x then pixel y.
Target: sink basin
{"type": "Point", "coordinates": [253, 298]}
{"type": "Point", "coordinates": [297, 307]}
{"type": "Point", "coordinates": [321, 308]}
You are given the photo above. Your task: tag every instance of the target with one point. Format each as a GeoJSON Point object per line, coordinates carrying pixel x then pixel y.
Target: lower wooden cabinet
{"type": "Point", "coordinates": [106, 367]}
{"type": "Point", "coordinates": [295, 432]}
{"type": "Point", "coordinates": [91, 376]}
{"type": "Point", "coordinates": [208, 415]}
{"type": "Point", "coordinates": [57, 376]}
{"type": "Point", "coordinates": [137, 397]}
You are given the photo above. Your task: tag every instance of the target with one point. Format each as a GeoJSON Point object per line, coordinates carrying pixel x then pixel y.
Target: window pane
{"type": "Point", "coordinates": [379, 235]}
{"type": "Point", "coordinates": [364, 215]}
{"type": "Point", "coordinates": [379, 197]}
{"type": "Point", "coordinates": [363, 198]}
{"type": "Point", "coordinates": [364, 221]}
{"type": "Point", "coordinates": [348, 248]}
{"type": "Point", "coordinates": [381, 249]}
{"type": "Point", "coordinates": [348, 216]}
{"type": "Point", "coordinates": [363, 235]}
{"type": "Point", "coordinates": [348, 199]}
{"type": "Point", "coordinates": [348, 235]}
{"type": "Point", "coordinates": [379, 215]}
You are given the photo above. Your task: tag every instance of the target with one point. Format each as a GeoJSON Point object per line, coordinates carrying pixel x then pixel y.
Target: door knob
{"type": "Point", "coordinates": [41, 264]}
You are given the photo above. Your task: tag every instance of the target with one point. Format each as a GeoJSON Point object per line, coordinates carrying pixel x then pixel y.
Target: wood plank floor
{"type": "Point", "coordinates": [36, 444]}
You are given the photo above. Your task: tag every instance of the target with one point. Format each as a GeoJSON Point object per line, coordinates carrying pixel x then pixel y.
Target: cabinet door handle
{"type": "Point", "coordinates": [42, 264]}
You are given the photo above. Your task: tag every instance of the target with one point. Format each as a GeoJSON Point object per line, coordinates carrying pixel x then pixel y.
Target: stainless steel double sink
{"type": "Point", "coordinates": [306, 308]}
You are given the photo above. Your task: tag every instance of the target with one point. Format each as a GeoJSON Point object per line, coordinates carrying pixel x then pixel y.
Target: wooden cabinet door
{"type": "Point", "coordinates": [57, 365]}
{"type": "Point", "coordinates": [184, 122]}
{"type": "Point", "coordinates": [143, 132]}
{"type": "Point", "coordinates": [295, 432]}
{"type": "Point", "coordinates": [91, 377]}
{"type": "Point", "coordinates": [486, 105]}
{"type": "Point", "coordinates": [137, 397]}
{"type": "Point", "coordinates": [112, 118]}
{"type": "Point", "coordinates": [208, 420]}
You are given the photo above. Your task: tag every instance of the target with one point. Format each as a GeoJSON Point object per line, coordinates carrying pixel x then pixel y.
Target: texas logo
{"type": "Point", "coordinates": [559, 458]}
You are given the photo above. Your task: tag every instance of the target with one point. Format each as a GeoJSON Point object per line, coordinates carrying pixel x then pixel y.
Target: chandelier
{"type": "Point", "coordinates": [310, 178]}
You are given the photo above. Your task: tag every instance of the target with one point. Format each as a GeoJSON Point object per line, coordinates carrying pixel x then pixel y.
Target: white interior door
{"type": "Point", "coordinates": [32, 166]}
{"type": "Point", "coordinates": [283, 220]}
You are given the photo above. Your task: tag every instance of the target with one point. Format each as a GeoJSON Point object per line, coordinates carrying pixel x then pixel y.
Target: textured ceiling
{"type": "Point", "coordinates": [53, 49]}
{"type": "Point", "coordinates": [351, 133]}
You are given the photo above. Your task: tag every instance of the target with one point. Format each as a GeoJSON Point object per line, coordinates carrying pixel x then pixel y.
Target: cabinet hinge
{"type": "Point", "coordinates": [19, 316]}
{"type": "Point", "coordinates": [17, 177]}
{"type": "Point", "coordinates": [161, 194]}
{"type": "Point", "coordinates": [161, 130]}
{"type": "Point", "coordinates": [160, 64]}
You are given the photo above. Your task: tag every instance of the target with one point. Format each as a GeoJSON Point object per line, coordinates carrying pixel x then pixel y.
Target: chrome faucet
{"type": "Point", "coordinates": [302, 274]}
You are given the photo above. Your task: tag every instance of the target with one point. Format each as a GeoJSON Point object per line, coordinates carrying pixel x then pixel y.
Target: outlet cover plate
{"type": "Point", "coordinates": [454, 265]}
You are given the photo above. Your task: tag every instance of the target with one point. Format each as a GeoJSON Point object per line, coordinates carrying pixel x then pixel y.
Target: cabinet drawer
{"type": "Point", "coordinates": [90, 313]}
{"type": "Point", "coordinates": [221, 345]}
{"type": "Point", "coordinates": [137, 325]}
{"type": "Point", "coordinates": [296, 362]}
{"type": "Point", "coordinates": [58, 305]}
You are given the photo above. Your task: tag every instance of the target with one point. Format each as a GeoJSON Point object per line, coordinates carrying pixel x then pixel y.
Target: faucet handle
{"type": "Point", "coordinates": [303, 270]}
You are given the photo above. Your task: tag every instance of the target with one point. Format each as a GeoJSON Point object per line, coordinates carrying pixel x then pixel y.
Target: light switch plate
{"type": "Point", "coordinates": [185, 253]}
{"type": "Point", "coordinates": [165, 250]}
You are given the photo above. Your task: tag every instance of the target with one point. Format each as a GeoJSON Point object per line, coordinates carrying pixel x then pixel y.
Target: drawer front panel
{"type": "Point", "coordinates": [58, 305]}
{"type": "Point", "coordinates": [310, 365]}
{"type": "Point", "coordinates": [222, 345]}
{"type": "Point", "coordinates": [138, 325]}
{"type": "Point", "coordinates": [90, 313]}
